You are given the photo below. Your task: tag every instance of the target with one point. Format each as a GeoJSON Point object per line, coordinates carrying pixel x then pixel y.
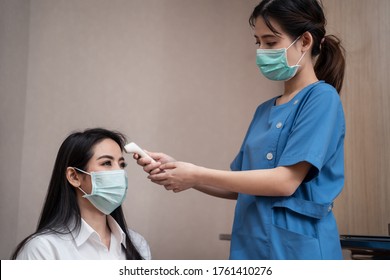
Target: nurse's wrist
{"type": "Point", "coordinates": [199, 176]}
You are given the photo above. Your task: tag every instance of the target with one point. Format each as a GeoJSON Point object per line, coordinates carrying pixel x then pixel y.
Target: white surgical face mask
{"type": "Point", "coordinates": [273, 63]}
{"type": "Point", "coordinates": [109, 189]}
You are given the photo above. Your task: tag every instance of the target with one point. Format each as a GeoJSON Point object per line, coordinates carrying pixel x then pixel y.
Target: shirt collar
{"type": "Point", "coordinates": [86, 232]}
{"type": "Point", "coordinates": [116, 230]}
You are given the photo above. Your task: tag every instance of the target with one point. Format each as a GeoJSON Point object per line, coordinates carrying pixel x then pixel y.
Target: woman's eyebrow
{"type": "Point", "coordinates": [110, 157]}
{"type": "Point", "coordinates": [268, 36]}
{"type": "Point", "coordinates": [106, 156]}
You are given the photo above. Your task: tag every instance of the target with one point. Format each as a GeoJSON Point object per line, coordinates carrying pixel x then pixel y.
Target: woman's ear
{"type": "Point", "coordinates": [307, 41]}
{"type": "Point", "coordinates": [72, 177]}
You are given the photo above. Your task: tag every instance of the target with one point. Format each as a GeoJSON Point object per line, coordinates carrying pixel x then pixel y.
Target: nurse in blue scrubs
{"type": "Point", "coordinates": [290, 167]}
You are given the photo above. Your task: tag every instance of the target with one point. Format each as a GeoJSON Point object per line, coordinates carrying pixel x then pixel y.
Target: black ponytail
{"type": "Point", "coordinates": [330, 64]}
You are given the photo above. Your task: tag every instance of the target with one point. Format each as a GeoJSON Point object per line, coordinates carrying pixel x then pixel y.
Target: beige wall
{"type": "Point", "coordinates": [177, 76]}
{"type": "Point", "coordinates": [14, 21]}
{"type": "Point", "coordinates": [364, 206]}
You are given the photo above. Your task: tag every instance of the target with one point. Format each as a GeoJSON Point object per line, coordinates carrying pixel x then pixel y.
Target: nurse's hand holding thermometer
{"type": "Point", "coordinates": [174, 175]}
{"type": "Point", "coordinates": [150, 162]}
{"type": "Point", "coordinates": [135, 149]}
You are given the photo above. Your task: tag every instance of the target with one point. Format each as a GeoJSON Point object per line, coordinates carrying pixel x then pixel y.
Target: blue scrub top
{"type": "Point", "coordinates": [311, 128]}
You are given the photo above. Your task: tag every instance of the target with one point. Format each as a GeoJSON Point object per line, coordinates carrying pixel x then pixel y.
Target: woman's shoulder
{"type": "Point", "coordinates": [39, 247]}
{"type": "Point", "coordinates": [324, 90]}
{"type": "Point", "coordinates": [140, 243]}
{"type": "Point", "coordinates": [321, 94]}
{"type": "Point", "coordinates": [135, 236]}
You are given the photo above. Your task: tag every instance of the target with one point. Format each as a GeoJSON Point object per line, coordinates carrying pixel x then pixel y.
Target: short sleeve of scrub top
{"type": "Point", "coordinates": [317, 131]}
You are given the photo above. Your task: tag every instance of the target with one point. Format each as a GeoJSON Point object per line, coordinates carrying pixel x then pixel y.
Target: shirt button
{"type": "Point", "coordinates": [296, 102]}
{"type": "Point", "coordinates": [270, 156]}
{"type": "Point", "coordinates": [279, 125]}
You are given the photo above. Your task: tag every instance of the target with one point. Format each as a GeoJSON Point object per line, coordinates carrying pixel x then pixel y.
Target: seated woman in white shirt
{"type": "Point", "coordinates": [82, 216]}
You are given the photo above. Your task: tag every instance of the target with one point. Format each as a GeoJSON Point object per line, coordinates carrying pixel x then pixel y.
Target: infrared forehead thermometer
{"type": "Point", "coordinates": [135, 149]}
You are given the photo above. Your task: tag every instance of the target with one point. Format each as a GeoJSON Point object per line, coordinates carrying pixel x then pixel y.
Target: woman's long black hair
{"type": "Point", "coordinates": [298, 16]}
{"type": "Point", "coordinates": [61, 213]}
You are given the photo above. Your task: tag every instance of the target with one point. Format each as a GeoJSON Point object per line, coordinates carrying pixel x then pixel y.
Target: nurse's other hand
{"type": "Point", "coordinates": [177, 176]}
{"type": "Point", "coordinates": [153, 167]}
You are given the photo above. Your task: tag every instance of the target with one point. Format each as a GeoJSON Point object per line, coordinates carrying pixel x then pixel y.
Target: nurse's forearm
{"type": "Point", "coordinates": [216, 192]}
{"type": "Point", "coordinates": [280, 181]}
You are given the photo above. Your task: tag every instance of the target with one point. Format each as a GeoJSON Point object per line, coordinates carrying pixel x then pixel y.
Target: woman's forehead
{"type": "Point", "coordinates": [106, 147]}
{"type": "Point", "coordinates": [263, 30]}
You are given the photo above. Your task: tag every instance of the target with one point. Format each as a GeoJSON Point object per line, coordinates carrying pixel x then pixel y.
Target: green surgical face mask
{"type": "Point", "coordinates": [273, 63]}
{"type": "Point", "coordinates": [109, 189]}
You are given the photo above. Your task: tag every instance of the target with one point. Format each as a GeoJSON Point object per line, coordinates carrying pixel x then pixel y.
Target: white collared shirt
{"type": "Point", "coordinates": [85, 245]}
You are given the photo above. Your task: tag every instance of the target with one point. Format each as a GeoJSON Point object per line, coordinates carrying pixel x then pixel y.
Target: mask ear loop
{"type": "Point", "coordinates": [85, 172]}
{"type": "Point", "coordinates": [301, 58]}
{"type": "Point", "coordinates": [82, 190]}
{"type": "Point", "coordinates": [294, 42]}
{"type": "Point", "coordinates": [80, 170]}
{"type": "Point", "coordinates": [297, 64]}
